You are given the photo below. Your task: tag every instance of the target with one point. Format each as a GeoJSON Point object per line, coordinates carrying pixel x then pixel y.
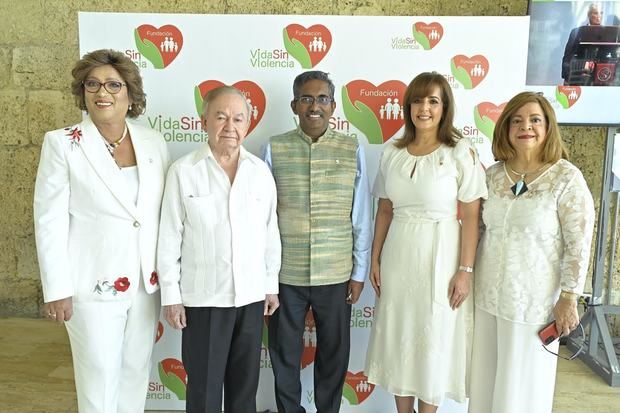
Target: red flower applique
{"type": "Point", "coordinates": [154, 278]}
{"type": "Point", "coordinates": [75, 136]}
{"type": "Point", "coordinates": [119, 286]}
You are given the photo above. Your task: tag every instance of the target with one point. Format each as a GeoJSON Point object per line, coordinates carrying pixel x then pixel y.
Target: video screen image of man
{"type": "Point", "coordinates": [591, 53]}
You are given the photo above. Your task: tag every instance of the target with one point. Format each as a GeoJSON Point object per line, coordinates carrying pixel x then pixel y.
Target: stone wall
{"type": "Point", "coordinates": [38, 46]}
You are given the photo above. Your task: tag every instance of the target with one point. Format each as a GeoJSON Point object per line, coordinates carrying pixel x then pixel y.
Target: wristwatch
{"type": "Point", "coordinates": [465, 268]}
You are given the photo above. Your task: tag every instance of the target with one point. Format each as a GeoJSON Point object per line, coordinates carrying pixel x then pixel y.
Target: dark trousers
{"type": "Point", "coordinates": [221, 347]}
{"type": "Point", "coordinates": [286, 327]}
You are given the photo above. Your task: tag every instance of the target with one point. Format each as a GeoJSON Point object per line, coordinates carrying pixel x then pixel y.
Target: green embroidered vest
{"type": "Point", "coordinates": [315, 184]}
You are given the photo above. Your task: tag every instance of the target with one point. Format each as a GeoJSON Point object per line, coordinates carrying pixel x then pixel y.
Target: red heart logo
{"type": "Point", "coordinates": [160, 331]}
{"type": "Point", "coordinates": [569, 94]}
{"type": "Point", "coordinates": [316, 39]}
{"type": "Point", "coordinates": [386, 103]}
{"type": "Point", "coordinates": [166, 40]}
{"type": "Point", "coordinates": [359, 383]}
{"type": "Point", "coordinates": [252, 92]}
{"type": "Point", "coordinates": [309, 338]}
{"type": "Point", "coordinates": [175, 367]}
{"type": "Point", "coordinates": [476, 67]}
{"type": "Point", "coordinates": [433, 32]}
{"type": "Point", "coordinates": [490, 110]}
{"type": "Point", "coordinates": [486, 115]}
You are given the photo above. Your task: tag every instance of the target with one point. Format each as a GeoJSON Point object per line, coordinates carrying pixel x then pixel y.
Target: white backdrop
{"type": "Point", "coordinates": [370, 59]}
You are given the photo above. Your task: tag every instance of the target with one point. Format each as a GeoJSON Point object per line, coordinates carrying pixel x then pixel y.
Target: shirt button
{"type": "Point", "coordinates": [136, 224]}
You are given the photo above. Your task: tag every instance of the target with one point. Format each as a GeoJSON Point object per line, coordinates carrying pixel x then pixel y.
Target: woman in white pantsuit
{"type": "Point", "coordinates": [532, 259]}
{"type": "Point", "coordinates": [96, 211]}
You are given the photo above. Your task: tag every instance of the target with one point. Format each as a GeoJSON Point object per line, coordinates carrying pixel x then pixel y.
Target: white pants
{"type": "Point", "coordinates": [111, 344]}
{"type": "Point", "coordinates": [511, 371]}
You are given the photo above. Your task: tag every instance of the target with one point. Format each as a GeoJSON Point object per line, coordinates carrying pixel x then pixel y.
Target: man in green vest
{"type": "Point", "coordinates": [324, 215]}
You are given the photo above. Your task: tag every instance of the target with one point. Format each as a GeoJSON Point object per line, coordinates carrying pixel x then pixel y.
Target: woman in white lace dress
{"type": "Point", "coordinates": [532, 259]}
{"type": "Point", "coordinates": [422, 258]}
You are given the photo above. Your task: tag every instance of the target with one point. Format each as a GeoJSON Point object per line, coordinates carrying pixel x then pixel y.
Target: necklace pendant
{"type": "Point", "coordinates": [110, 149]}
{"type": "Point", "coordinates": [519, 187]}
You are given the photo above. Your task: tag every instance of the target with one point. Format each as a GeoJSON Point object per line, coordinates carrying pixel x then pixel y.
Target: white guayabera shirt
{"type": "Point", "coordinates": [219, 244]}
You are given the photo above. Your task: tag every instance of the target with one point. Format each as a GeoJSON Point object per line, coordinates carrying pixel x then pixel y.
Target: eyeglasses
{"type": "Point", "coordinates": [111, 86]}
{"type": "Point", "coordinates": [320, 100]}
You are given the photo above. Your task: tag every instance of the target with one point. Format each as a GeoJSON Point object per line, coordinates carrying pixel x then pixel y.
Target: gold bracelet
{"type": "Point", "coordinates": [567, 295]}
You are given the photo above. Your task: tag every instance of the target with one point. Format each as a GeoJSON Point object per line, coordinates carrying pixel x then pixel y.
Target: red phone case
{"type": "Point", "coordinates": [548, 334]}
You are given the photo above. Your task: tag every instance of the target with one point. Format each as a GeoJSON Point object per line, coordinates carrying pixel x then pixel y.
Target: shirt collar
{"type": "Point", "coordinates": [205, 152]}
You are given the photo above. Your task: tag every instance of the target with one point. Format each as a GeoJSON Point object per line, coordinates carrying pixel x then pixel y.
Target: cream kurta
{"type": "Point", "coordinates": [534, 244]}
{"type": "Point", "coordinates": [419, 346]}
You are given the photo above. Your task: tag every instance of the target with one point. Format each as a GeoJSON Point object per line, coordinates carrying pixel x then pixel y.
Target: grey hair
{"type": "Point", "coordinates": [223, 90]}
{"type": "Point", "coordinates": [592, 7]}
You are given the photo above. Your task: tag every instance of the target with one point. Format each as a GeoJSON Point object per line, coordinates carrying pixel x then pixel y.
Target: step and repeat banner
{"type": "Point", "coordinates": [370, 59]}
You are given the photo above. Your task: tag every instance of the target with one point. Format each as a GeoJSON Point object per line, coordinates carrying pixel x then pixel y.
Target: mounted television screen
{"type": "Point", "coordinates": [574, 59]}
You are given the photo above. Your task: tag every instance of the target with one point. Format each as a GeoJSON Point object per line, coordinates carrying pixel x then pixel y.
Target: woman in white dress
{"type": "Point", "coordinates": [532, 262]}
{"type": "Point", "coordinates": [422, 257]}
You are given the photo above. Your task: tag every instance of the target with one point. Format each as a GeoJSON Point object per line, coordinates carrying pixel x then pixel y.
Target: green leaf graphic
{"type": "Point", "coordinates": [198, 100]}
{"type": "Point", "coordinates": [149, 50]}
{"type": "Point", "coordinates": [297, 50]}
{"type": "Point", "coordinates": [362, 118]}
{"type": "Point", "coordinates": [485, 124]}
{"type": "Point", "coordinates": [349, 394]}
{"type": "Point", "coordinates": [561, 98]}
{"type": "Point", "coordinates": [421, 39]}
{"type": "Point", "coordinates": [461, 75]}
{"type": "Point", "coordinates": [172, 383]}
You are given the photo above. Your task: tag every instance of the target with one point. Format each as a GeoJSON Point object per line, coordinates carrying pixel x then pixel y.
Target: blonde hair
{"type": "Point", "coordinates": [553, 148]}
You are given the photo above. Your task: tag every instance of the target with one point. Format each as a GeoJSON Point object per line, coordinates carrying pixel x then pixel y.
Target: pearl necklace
{"type": "Point", "coordinates": [112, 146]}
{"type": "Point", "coordinates": [520, 187]}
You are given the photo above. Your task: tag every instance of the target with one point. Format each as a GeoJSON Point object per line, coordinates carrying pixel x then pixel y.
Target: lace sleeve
{"type": "Point", "coordinates": [576, 214]}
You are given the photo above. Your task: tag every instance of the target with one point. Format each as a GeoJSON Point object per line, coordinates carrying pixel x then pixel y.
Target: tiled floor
{"type": "Point", "coordinates": [37, 374]}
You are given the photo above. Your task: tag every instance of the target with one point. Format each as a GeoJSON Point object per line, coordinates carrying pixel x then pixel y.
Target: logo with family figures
{"type": "Point", "coordinates": [377, 111]}
{"type": "Point", "coordinates": [470, 71]}
{"type": "Point", "coordinates": [427, 35]}
{"type": "Point", "coordinates": [172, 375]}
{"type": "Point", "coordinates": [485, 117]}
{"type": "Point", "coordinates": [356, 388]}
{"type": "Point", "coordinates": [308, 46]}
{"type": "Point", "coordinates": [309, 337]}
{"type": "Point", "coordinates": [160, 46]}
{"type": "Point", "coordinates": [252, 92]}
{"type": "Point", "coordinates": [567, 96]}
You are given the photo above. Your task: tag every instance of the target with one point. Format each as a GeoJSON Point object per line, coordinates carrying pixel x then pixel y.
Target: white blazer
{"type": "Point", "coordinates": [93, 241]}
